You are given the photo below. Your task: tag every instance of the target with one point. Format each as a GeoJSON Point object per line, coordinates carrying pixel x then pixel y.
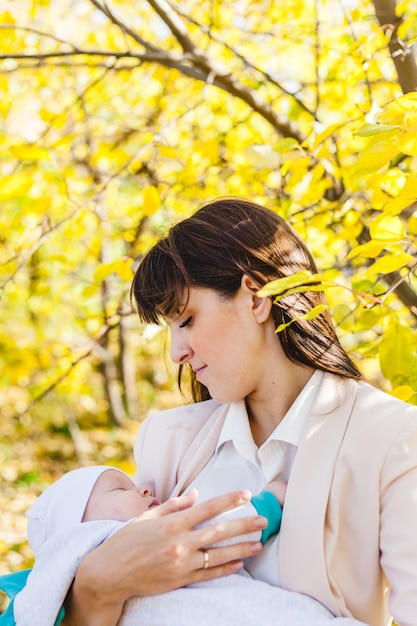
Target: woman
{"type": "Point", "coordinates": [290, 405]}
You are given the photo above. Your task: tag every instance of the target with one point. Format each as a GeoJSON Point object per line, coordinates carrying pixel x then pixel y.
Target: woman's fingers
{"type": "Point", "coordinates": [181, 522]}
{"type": "Point", "coordinates": [210, 508]}
{"type": "Point", "coordinates": [222, 561]}
{"type": "Point", "coordinates": [228, 554]}
{"type": "Point", "coordinates": [174, 505]}
{"type": "Point", "coordinates": [221, 531]}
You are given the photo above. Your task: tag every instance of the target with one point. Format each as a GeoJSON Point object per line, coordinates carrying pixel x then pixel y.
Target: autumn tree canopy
{"type": "Point", "coordinates": [120, 117]}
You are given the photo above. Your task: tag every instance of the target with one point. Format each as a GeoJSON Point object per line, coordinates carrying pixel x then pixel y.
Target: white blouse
{"type": "Point", "coordinates": [238, 463]}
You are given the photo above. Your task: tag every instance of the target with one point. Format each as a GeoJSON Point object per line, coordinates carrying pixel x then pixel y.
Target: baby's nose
{"type": "Point", "coordinates": [145, 490]}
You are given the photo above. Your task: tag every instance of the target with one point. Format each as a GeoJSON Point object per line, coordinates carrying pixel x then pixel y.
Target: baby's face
{"type": "Point", "coordinates": [115, 497]}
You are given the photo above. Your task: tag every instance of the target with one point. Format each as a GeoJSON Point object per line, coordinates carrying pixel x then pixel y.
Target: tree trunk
{"type": "Point", "coordinates": [402, 54]}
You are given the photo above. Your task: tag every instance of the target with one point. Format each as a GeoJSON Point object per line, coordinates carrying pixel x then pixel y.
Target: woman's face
{"type": "Point", "coordinates": [224, 340]}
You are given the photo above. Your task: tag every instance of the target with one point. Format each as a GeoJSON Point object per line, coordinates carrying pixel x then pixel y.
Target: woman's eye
{"type": "Point", "coordinates": [186, 322]}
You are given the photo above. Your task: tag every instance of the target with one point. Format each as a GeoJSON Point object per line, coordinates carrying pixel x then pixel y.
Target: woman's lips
{"type": "Point", "coordinates": [200, 371]}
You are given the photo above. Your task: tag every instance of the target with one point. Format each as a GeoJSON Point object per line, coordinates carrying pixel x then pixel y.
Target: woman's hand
{"type": "Point", "coordinates": [157, 552]}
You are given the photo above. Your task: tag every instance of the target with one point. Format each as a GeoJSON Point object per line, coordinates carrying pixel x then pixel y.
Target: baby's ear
{"type": "Point", "coordinates": [261, 307]}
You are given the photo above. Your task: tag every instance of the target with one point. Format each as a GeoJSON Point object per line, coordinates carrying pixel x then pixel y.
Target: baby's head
{"type": "Point", "coordinates": [115, 496]}
{"type": "Point", "coordinates": [86, 494]}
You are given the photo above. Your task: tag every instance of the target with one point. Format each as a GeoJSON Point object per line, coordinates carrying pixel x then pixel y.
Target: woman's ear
{"type": "Point", "coordinates": [261, 307]}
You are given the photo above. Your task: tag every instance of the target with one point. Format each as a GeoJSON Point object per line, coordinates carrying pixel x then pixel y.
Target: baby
{"type": "Point", "coordinates": [86, 506]}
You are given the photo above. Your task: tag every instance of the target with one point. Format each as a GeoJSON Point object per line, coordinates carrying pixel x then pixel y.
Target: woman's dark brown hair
{"type": "Point", "coordinates": [214, 248]}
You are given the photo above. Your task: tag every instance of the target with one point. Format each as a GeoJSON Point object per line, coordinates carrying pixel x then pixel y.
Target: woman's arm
{"type": "Point", "coordinates": [158, 552]}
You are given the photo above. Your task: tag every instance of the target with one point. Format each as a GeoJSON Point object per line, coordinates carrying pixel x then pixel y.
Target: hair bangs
{"type": "Point", "coordinates": [159, 286]}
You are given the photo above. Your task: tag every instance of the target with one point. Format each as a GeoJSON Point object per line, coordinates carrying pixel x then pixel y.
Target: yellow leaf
{"type": "Point", "coordinates": [396, 205]}
{"type": "Point", "coordinates": [370, 250]}
{"type": "Point", "coordinates": [103, 271]}
{"type": "Point", "coordinates": [286, 145]}
{"type": "Point", "coordinates": [394, 111]}
{"type": "Point", "coordinates": [404, 392]}
{"type": "Point", "coordinates": [14, 186]}
{"type": "Point", "coordinates": [406, 196]}
{"type": "Point", "coordinates": [89, 291]}
{"type": "Point", "coordinates": [407, 142]}
{"type": "Point", "coordinates": [387, 228]}
{"type": "Point", "coordinates": [321, 137]}
{"type": "Point", "coordinates": [315, 312]}
{"type": "Point", "coordinates": [412, 223]}
{"type": "Point", "coordinates": [210, 149]}
{"type": "Point", "coordinates": [65, 141]}
{"type": "Point", "coordinates": [369, 130]}
{"type": "Point", "coordinates": [151, 200]}
{"type": "Point", "coordinates": [376, 156]}
{"type": "Point", "coordinates": [410, 121]}
{"type": "Point", "coordinates": [29, 153]}
{"type": "Point", "coordinates": [390, 263]}
{"type": "Point", "coordinates": [7, 18]}
{"type": "Point", "coordinates": [124, 268]}
{"type": "Point", "coordinates": [121, 267]}
{"type": "Point", "coordinates": [167, 151]}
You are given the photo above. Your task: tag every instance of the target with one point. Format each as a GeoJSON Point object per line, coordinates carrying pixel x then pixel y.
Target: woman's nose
{"type": "Point", "coordinates": [145, 490]}
{"type": "Point", "coordinates": [181, 351]}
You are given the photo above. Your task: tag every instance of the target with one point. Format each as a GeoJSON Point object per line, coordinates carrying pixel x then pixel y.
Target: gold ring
{"type": "Point", "coordinates": [206, 559]}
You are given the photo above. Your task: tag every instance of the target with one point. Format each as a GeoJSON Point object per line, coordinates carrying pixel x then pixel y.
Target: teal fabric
{"type": "Point", "coordinates": [268, 506]}
{"type": "Point", "coordinates": [11, 584]}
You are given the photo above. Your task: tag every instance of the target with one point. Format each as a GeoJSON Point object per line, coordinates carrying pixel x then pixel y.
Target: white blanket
{"type": "Point", "coordinates": [57, 561]}
{"type": "Point", "coordinates": [237, 599]}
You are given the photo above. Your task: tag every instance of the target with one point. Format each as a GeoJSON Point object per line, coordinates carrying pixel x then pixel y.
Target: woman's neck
{"type": "Point", "coordinates": [266, 411]}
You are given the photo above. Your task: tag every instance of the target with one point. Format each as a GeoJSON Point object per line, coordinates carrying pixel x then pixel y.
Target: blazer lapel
{"type": "Point", "coordinates": [302, 551]}
{"type": "Point", "coordinates": [200, 450]}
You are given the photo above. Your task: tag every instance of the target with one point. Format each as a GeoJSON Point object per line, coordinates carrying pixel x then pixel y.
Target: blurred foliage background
{"type": "Point", "coordinates": [118, 118]}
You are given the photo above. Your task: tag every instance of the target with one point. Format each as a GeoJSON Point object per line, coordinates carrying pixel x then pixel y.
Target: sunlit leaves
{"type": "Point", "coordinates": [121, 267]}
{"type": "Point", "coordinates": [109, 152]}
{"type": "Point", "coordinates": [151, 200]}
{"type": "Point", "coordinates": [390, 263]}
{"type": "Point", "coordinates": [398, 354]}
{"type": "Point", "coordinates": [387, 228]}
{"type": "Point", "coordinates": [14, 186]}
{"type": "Point", "coordinates": [102, 151]}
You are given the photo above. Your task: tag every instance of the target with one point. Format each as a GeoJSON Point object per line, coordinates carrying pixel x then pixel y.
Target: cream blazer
{"type": "Point", "coordinates": [349, 529]}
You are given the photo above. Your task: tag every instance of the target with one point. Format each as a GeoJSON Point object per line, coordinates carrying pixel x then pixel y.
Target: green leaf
{"type": "Point", "coordinates": [398, 352]}
{"type": "Point", "coordinates": [286, 145]}
{"type": "Point", "coordinates": [281, 285]}
{"type": "Point", "coordinates": [369, 130]}
{"type": "Point", "coordinates": [315, 312]}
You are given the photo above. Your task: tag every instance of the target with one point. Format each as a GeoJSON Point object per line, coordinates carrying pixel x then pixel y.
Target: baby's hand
{"type": "Point", "coordinates": [278, 488]}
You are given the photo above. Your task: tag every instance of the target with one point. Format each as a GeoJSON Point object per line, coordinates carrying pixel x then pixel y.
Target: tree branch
{"type": "Point", "coordinates": [248, 64]}
{"type": "Point", "coordinates": [402, 54]}
{"type": "Point", "coordinates": [92, 343]}
{"type": "Point", "coordinates": [220, 75]}
{"type": "Point", "coordinates": [104, 8]}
